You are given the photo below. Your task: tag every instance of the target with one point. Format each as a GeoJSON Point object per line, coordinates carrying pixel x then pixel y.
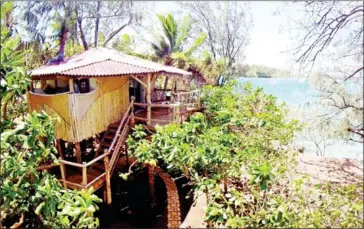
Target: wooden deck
{"type": "Point", "coordinates": [164, 115]}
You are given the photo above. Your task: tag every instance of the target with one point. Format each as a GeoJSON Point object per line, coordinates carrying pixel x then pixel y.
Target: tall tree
{"type": "Point", "coordinates": [109, 18]}
{"type": "Point", "coordinates": [170, 45]}
{"type": "Point", "coordinates": [86, 20]}
{"type": "Point", "coordinates": [331, 42]}
{"type": "Point", "coordinates": [227, 25]}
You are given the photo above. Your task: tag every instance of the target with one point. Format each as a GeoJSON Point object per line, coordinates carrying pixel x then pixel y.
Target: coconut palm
{"type": "Point", "coordinates": [170, 45]}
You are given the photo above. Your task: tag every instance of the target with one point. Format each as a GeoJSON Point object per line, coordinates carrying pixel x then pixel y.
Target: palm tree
{"type": "Point", "coordinates": [169, 46]}
{"type": "Point", "coordinates": [38, 16]}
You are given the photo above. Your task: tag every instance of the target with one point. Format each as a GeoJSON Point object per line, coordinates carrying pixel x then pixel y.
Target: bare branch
{"type": "Point", "coordinates": [118, 30]}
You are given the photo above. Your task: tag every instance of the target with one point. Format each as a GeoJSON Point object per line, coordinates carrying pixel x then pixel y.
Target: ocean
{"type": "Point", "coordinates": [298, 96]}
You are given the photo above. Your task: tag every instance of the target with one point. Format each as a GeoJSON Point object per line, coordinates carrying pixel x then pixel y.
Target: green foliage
{"type": "Point", "coordinates": [14, 80]}
{"type": "Point", "coordinates": [170, 45]}
{"type": "Point", "coordinates": [72, 48]}
{"type": "Point", "coordinates": [125, 44]}
{"type": "Point", "coordinates": [35, 195]}
{"type": "Point", "coordinates": [237, 152]}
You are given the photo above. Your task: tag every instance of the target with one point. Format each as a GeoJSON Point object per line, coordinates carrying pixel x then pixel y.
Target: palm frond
{"type": "Point", "coordinates": [183, 30]}
{"type": "Point", "coordinates": [198, 42]}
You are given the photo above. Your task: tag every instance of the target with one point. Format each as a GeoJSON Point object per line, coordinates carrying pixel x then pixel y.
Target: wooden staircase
{"type": "Point", "coordinates": [97, 172]}
{"type": "Point", "coordinates": [105, 147]}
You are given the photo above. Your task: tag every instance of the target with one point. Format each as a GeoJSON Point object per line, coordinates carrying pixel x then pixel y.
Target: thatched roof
{"type": "Point", "coordinates": [103, 62]}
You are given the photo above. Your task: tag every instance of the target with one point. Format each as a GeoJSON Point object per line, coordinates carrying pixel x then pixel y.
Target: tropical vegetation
{"type": "Point", "coordinates": [237, 152]}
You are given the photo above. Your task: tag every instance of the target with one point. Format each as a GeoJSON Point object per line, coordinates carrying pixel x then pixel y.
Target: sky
{"type": "Point", "coordinates": [270, 38]}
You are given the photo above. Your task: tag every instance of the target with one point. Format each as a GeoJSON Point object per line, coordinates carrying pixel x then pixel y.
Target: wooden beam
{"type": "Point", "coordinates": [78, 152]}
{"type": "Point", "coordinates": [141, 82]}
{"type": "Point", "coordinates": [149, 102]}
{"type": "Point", "coordinates": [166, 82]}
{"type": "Point", "coordinates": [32, 86]}
{"type": "Point", "coordinates": [173, 90]}
{"type": "Point", "coordinates": [43, 83]}
{"type": "Point", "coordinates": [70, 83]}
{"type": "Point", "coordinates": [154, 120]}
{"type": "Point", "coordinates": [84, 174]}
{"type": "Point", "coordinates": [63, 174]}
{"type": "Point", "coordinates": [107, 180]}
{"type": "Point", "coordinates": [132, 120]}
{"type": "Point", "coordinates": [151, 185]}
{"type": "Point", "coordinates": [60, 148]}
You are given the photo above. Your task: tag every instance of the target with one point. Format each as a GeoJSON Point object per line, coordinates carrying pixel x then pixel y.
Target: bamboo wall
{"type": "Point", "coordinates": [83, 115]}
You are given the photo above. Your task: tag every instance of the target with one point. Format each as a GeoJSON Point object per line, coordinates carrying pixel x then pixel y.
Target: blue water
{"type": "Point", "coordinates": [291, 91]}
{"type": "Point", "coordinates": [298, 93]}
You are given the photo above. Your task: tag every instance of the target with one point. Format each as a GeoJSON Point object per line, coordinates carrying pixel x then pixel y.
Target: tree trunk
{"type": "Point", "coordinates": [97, 22]}
{"type": "Point", "coordinates": [63, 40]}
{"type": "Point", "coordinates": [82, 34]}
{"type": "Point", "coordinates": [83, 39]}
{"type": "Point", "coordinates": [117, 31]}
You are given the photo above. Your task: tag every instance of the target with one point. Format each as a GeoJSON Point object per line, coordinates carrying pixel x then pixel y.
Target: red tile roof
{"type": "Point", "coordinates": [98, 62]}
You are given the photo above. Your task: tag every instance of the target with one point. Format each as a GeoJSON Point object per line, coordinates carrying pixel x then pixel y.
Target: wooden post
{"type": "Point", "coordinates": [173, 99]}
{"type": "Point", "coordinates": [63, 174]}
{"type": "Point", "coordinates": [105, 194]}
{"type": "Point", "coordinates": [127, 156]}
{"type": "Point", "coordinates": [166, 82]}
{"type": "Point", "coordinates": [60, 148]}
{"type": "Point", "coordinates": [107, 180]}
{"type": "Point", "coordinates": [176, 114]}
{"type": "Point", "coordinates": [149, 102]}
{"type": "Point", "coordinates": [132, 120]}
{"type": "Point", "coordinates": [70, 82]}
{"type": "Point", "coordinates": [32, 86]}
{"type": "Point", "coordinates": [43, 83]}
{"type": "Point", "coordinates": [78, 152]}
{"type": "Point", "coordinates": [151, 184]}
{"type": "Point", "coordinates": [84, 174]}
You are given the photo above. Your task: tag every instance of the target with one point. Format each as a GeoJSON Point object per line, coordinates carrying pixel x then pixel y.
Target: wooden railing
{"type": "Point", "coordinates": [114, 149]}
{"type": "Point", "coordinates": [189, 97]}
{"type": "Point", "coordinates": [121, 134]}
{"type": "Point", "coordinates": [182, 96]}
{"type": "Point", "coordinates": [85, 183]}
{"type": "Point", "coordinates": [181, 100]}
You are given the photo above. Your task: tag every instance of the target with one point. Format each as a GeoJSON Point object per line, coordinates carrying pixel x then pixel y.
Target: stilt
{"type": "Point", "coordinates": [105, 194]}
{"type": "Point", "coordinates": [84, 175]}
{"type": "Point", "coordinates": [78, 152]}
{"type": "Point", "coordinates": [127, 156]}
{"type": "Point", "coordinates": [63, 174]}
{"type": "Point", "coordinates": [151, 184]}
{"type": "Point", "coordinates": [149, 102]}
{"type": "Point", "coordinates": [107, 180]}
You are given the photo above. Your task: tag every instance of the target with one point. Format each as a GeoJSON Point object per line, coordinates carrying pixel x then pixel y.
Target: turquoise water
{"type": "Point", "coordinates": [297, 93]}
{"type": "Point", "coordinates": [291, 91]}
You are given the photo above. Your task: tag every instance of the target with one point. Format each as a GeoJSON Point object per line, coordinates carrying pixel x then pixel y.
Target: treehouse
{"type": "Point", "coordinates": [102, 92]}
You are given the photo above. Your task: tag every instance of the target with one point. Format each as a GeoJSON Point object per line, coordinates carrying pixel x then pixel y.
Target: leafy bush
{"type": "Point", "coordinates": [33, 197]}
{"type": "Point", "coordinates": [13, 79]}
{"type": "Point", "coordinates": [238, 153]}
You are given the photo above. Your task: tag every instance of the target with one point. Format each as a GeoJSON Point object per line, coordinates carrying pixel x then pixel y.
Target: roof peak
{"type": "Point", "coordinates": [88, 63]}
